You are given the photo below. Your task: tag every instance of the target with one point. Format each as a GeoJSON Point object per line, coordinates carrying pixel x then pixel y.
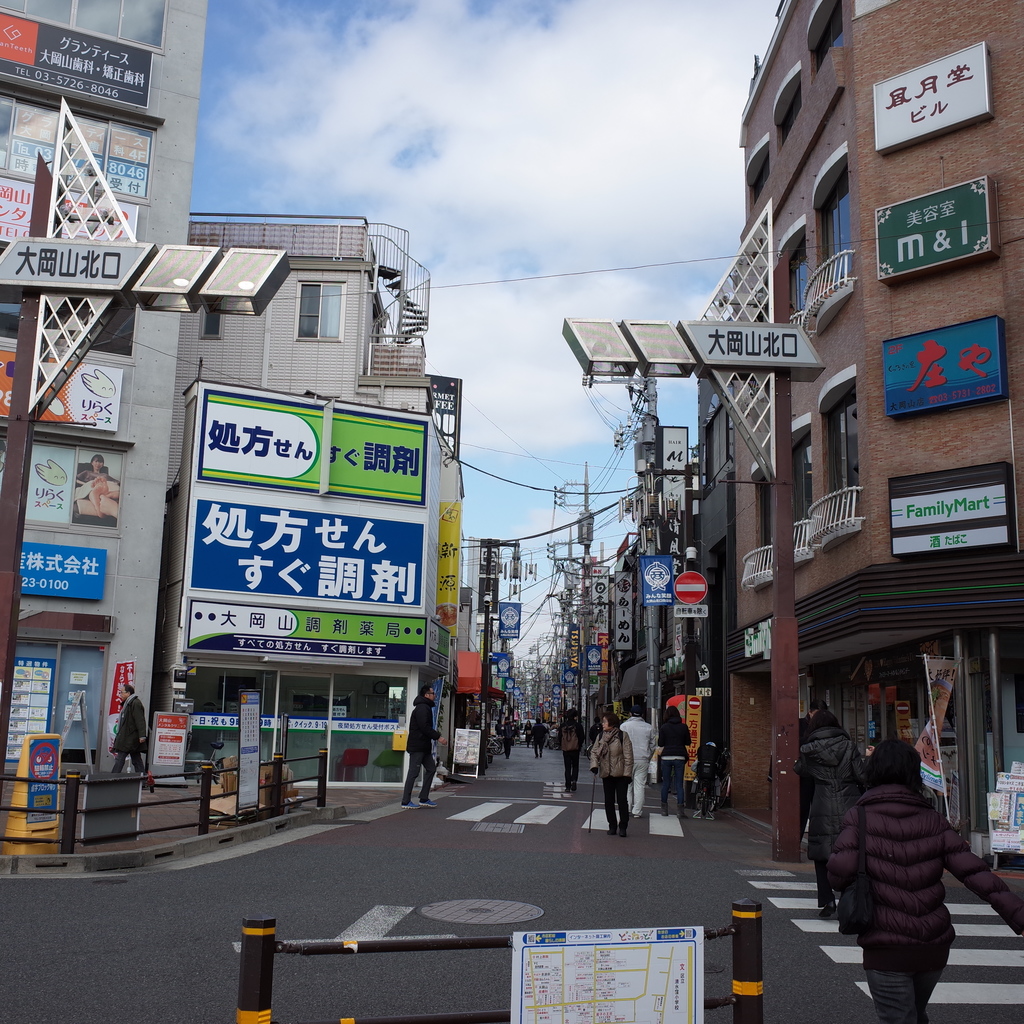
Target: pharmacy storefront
{"type": "Point", "coordinates": [308, 560]}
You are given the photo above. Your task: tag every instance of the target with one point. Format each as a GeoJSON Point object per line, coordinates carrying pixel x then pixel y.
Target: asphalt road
{"type": "Point", "coordinates": [157, 945]}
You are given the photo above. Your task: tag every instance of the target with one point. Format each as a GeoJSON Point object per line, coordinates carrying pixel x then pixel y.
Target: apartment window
{"type": "Point", "coordinates": [798, 276]}
{"type": "Point", "coordinates": [758, 167]}
{"type": "Point", "coordinates": [765, 517]}
{"type": "Point", "coordinates": [802, 490]}
{"type": "Point", "coordinates": [789, 115]}
{"type": "Point", "coordinates": [212, 325]}
{"type": "Point", "coordinates": [320, 311]}
{"type": "Point", "coordinates": [141, 21]}
{"type": "Point", "coordinates": [831, 34]}
{"type": "Point", "coordinates": [835, 217]}
{"type": "Point", "coordinates": [841, 435]}
{"type": "Point", "coordinates": [761, 178]}
{"type": "Point", "coordinates": [716, 447]}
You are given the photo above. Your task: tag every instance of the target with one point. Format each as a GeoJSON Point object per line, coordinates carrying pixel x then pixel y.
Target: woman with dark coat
{"type": "Point", "coordinates": [674, 741]}
{"type": "Point", "coordinates": [908, 845]}
{"type": "Point", "coordinates": [832, 759]}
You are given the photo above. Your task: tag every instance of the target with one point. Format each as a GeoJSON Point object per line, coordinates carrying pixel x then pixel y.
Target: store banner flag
{"type": "Point", "coordinates": [656, 575]}
{"type": "Point", "coordinates": [510, 614]}
{"type": "Point", "coordinates": [449, 533]}
{"type": "Point", "coordinates": [574, 645]}
{"type": "Point", "coordinates": [941, 673]}
{"type": "Point", "coordinates": [124, 674]}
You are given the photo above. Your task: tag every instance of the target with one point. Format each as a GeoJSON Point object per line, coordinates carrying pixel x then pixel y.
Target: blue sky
{"type": "Point", "coordinates": [513, 139]}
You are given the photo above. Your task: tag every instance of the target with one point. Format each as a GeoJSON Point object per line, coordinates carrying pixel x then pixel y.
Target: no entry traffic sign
{"type": "Point", "coordinates": [690, 587]}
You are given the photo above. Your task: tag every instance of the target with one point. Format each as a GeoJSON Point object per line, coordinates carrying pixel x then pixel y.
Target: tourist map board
{"type": "Point", "coordinates": [617, 976]}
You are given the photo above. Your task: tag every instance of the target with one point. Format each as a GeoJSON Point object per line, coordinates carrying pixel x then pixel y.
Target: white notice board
{"type": "Point", "coordinates": [654, 975]}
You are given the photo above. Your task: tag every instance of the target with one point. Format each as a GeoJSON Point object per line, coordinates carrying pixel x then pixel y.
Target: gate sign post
{"type": "Point", "coordinates": [690, 588]}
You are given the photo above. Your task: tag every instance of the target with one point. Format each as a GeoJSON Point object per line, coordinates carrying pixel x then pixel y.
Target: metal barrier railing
{"type": "Point", "coordinates": [69, 811]}
{"type": "Point", "coordinates": [260, 945]}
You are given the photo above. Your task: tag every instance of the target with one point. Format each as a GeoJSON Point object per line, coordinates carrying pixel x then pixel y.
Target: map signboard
{"type": "Point", "coordinates": [654, 975]}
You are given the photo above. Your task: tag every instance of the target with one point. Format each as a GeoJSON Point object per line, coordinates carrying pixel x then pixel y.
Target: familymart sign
{"type": "Point", "coordinates": [951, 511]}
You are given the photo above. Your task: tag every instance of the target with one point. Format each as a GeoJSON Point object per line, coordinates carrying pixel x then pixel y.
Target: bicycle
{"type": "Point", "coordinates": [723, 787]}
{"type": "Point", "coordinates": [705, 799]}
{"type": "Point", "coordinates": [495, 745]}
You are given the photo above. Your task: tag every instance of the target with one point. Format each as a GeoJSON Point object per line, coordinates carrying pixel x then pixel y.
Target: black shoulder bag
{"type": "Point", "coordinates": [856, 908]}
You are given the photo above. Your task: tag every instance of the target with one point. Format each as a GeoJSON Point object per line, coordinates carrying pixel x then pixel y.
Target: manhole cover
{"type": "Point", "coordinates": [497, 826]}
{"type": "Point", "coordinates": [481, 911]}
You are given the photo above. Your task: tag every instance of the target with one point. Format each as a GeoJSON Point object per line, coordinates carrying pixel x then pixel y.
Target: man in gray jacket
{"type": "Point", "coordinates": [641, 736]}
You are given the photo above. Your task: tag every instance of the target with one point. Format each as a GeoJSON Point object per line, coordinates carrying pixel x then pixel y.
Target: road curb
{"type": "Point", "coordinates": [180, 849]}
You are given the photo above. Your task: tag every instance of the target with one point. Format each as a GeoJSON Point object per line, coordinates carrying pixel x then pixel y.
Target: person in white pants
{"type": "Point", "coordinates": [641, 735]}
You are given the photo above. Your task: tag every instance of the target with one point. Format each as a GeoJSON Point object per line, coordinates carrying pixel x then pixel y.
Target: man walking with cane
{"type": "Point", "coordinates": [641, 735]}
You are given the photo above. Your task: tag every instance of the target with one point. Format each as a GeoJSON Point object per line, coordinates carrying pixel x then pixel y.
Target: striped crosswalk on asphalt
{"type": "Point", "coordinates": [952, 992]}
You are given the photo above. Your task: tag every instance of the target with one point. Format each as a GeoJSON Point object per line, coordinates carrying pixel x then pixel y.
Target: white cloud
{"type": "Point", "coordinates": [510, 138]}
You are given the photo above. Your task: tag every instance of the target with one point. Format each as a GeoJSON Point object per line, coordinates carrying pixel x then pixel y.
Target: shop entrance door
{"type": "Point", "coordinates": [306, 700]}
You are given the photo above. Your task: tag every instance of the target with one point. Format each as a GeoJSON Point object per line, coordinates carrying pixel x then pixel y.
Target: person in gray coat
{"type": "Point", "coordinates": [832, 759]}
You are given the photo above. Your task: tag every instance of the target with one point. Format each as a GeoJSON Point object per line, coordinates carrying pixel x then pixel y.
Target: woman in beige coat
{"type": "Point", "coordinates": [611, 757]}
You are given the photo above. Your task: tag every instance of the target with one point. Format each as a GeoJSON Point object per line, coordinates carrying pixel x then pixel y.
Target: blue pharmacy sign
{"type": "Point", "coordinates": [255, 549]}
{"type": "Point", "coordinates": [63, 571]}
{"type": "Point", "coordinates": [958, 365]}
{"type": "Point", "coordinates": [656, 575]}
{"type": "Point", "coordinates": [510, 613]}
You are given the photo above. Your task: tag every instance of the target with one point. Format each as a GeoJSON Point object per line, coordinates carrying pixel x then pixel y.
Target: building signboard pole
{"type": "Point", "coordinates": [785, 651]}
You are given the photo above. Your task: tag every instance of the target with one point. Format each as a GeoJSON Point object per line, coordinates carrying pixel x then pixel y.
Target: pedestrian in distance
{"type": "Point", "coordinates": [418, 746]}
{"type": "Point", "coordinates": [673, 743]}
{"type": "Point", "coordinates": [539, 734]}
{"type": "Point", "coordinates": [130, 735]}
{"type": "Point", "coordinates": [832, 759]}
{"type": "Point", "coordinates": [508, 736]}
{"type": "Point", "coordinates": [641, 736]}
{"type": "Point", "coordinates": [570, 741]}
{"type": "Point", "coordinates": [611, 758]}
{"type": "Point", "coordinates": [907, 846]}
{"type": "Point", "coordinates": [595, 731]}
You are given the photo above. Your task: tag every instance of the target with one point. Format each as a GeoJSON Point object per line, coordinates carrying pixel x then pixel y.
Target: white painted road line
{"type": "Point", "coordinates": [956, 909]}
{"type": "Point", "coordinates": [375, 924]}
{"type": "Point", "coordinates": [968, 992]}
{"type": "Point", "coordinates": [957, 957]}
{"type": "Point", "coordinates": [479, 812]}
{"type": "Point", "coordinates": [597, 821]}
{"type": "Point", "coordinates": [670, 826]}
{"type": "Point", "coordinates": [539, 815]}
{"type": "Point", "coordinates": [790, 886]}
{"type": "Point", "coordinates": [764, 873]}
{"type": "Point", "coordinates": [970, 909]}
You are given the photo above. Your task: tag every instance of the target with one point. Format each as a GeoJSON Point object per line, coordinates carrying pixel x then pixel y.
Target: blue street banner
{"type": "Point", "coordinates": [568, 678]}
{"type": "Point", "coordinates": [656, 575]}
{"type": "Point", "coordinates": [593, 658]}
{"type": "Point", "coordinates": [510, 614]}
{"type": "Point", "coordinates": [256, 549]}
{"type": "Point", "coordinates": [502, 663]}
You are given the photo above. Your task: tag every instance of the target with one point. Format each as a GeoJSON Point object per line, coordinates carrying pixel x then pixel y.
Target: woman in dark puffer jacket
{"type": "Point", "coordinates": [832, 759]}
{"type": "Point", "coordinates": [908, 846]}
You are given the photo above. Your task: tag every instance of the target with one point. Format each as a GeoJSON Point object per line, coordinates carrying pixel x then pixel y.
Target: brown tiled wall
{"type": "Point", "coordinates": [751, 737]}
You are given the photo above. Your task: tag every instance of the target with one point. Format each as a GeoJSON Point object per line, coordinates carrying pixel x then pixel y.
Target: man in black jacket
{"type": "Point", "coordinates": [421, 735]}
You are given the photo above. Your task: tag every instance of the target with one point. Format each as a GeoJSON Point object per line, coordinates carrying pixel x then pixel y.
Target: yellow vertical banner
{"type": "Point", "coordinates": [693, 709]}
{"type": "Point", "coordinates": [449, 538]}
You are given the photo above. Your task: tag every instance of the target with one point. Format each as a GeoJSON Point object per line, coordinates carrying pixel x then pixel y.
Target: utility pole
{"type": "Point", "coordinates": [586, 537]}
{"type": "Point", "coordinates": [649, 536]}
{"type": "Point", "coordinates": [488, 593]}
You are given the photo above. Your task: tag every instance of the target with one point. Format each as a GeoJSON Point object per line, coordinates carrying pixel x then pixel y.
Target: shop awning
{"type": "Point", "coordinates": [634, 681]}
{"type": "Point", "coordinates": [470, 675]}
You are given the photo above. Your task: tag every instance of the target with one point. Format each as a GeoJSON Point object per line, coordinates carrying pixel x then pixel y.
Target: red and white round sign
{"type": "Point", "coordinates": [690, 588]}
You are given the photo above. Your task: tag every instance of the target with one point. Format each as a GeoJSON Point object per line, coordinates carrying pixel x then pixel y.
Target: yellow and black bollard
{"type": "Point", "coordinates": [256, 971]}
{"type": "Point", "coordinates": [747, 966]}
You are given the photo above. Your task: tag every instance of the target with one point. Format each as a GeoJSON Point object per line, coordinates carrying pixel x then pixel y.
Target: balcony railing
{"type": "Point", "coordinates": [757, 564]}
{"type": "Point", "coordinates": [828, 288]}
{"type": "Point", "coordinates": [834, 517]}
{"type": "Point", "coordinates": [389, 358]}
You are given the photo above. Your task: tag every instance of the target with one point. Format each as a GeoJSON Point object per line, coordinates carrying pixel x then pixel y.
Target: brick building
{"type": "Point", "coordinates": [884, 189]}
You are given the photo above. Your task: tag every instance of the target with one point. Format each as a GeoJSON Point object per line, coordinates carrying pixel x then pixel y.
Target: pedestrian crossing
{"type": "Point", "coordinates": [545, 814]}
{"type": "Point", "coordinates": [848, 953]}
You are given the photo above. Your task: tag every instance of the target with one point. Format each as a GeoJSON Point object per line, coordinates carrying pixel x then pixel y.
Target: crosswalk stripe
{"type": "Point", "coordinates": [970, 992]}
{"type": "Point", "coordinates": [671, 826]}
{"type": "Point", "coordinates": [967, 931]}
{"type": "Point", "coordinates": [596, 820]}
{"type": "Point", "coordinates": [957, 957]}
{"type": "Point", "coordinates": [539, 815]}
{"type": "Point", "coordinates": [791, 886]}
{"type": "Point", "coordinates": [479, 812]}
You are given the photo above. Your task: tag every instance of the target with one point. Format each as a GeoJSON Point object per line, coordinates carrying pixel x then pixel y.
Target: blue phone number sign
{"type": "Point", "coordinates": [63, 571]}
